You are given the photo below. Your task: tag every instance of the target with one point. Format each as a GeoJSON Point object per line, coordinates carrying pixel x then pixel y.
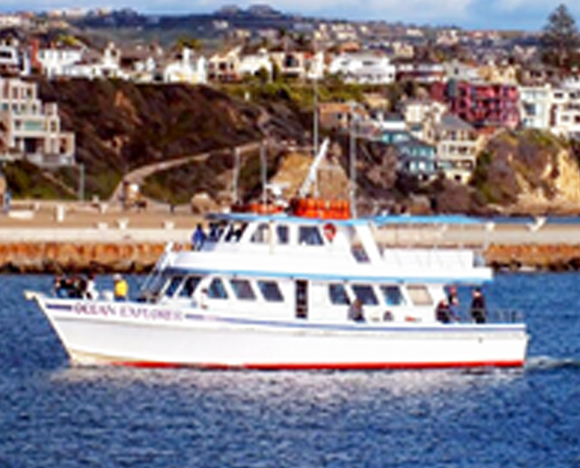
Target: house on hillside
{"type": "Point", "coordinates": [251, 64]}
{"type": "Point", "coordinates": [225, 67]}
{"type": "Point", "coordinates": [481, 104]}
{"type": "Point", "coordinates": [57, 61]}
{"type": "Point", "coordinates": [338, 116]}
{"type": "Point", "coordinates": [292, 63]}
{"type": "Point", "coordinates": [186, 69]}
{"type": "Point", "coordinates": [417, 158]}
{"type": "Point", "coordinates": [31, 129]}
{"type": "Point", "coordinates": [363, 68]}
{"type": "Point", "coordinates": [457, 146]}
{"type": "Point", "coordinates": [10, 61]}
{"type": "Point", "coordinates": [418, 112]}
{"type": "Point", "coordinates": [420, 72]}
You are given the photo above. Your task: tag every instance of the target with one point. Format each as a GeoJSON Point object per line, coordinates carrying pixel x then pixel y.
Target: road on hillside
{"type": "Point", "coordinates": [137, 176]}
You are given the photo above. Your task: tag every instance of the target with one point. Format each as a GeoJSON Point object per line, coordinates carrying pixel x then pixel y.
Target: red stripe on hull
{"type": "Point", "coordinates": [324, 366]}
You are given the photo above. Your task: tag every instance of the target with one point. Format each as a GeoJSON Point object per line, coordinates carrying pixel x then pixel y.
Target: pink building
{"type": "Point", "coordinates": [482, 104]}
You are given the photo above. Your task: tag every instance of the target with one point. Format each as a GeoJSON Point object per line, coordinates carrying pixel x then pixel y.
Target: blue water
{"type": "Point", "coordinates": [53, 415]}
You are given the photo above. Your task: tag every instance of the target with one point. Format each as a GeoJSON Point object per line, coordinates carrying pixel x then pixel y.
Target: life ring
{"type": "Point", "coordinates": [329, 231]}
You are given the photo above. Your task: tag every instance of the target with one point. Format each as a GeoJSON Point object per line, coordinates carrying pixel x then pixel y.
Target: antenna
{"type": "Point", "coordinates": [263, 167]}
{"type": "Point", "coordinates": [236, 174]}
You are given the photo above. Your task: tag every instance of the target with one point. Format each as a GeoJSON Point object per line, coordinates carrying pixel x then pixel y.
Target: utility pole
{"type": "Point", "coordinates": [353, 213]}
{"type": "Point", "coordinates": [81, 194]}
{"type": "Point", "coordinates": [236, 175]}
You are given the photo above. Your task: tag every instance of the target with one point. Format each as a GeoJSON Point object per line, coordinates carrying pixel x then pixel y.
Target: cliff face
{"type": "Point", "coordinates": [120, 125]}
{"type": "Point", "coordinates": [529, 172]}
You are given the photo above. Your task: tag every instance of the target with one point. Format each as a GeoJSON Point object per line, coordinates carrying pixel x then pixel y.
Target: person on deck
{"type": "Point", "coordinates": [478, 310]}
{"type": "Point", "coordinates": [198, 238]}
{"type": "Point", "coordinates": [444, 313]}
{"type": "Point", "coordinates": [355, 311]}
{"type": "Point", "coordinates": [121, 288]}
{"type": "Point", "coordinates": [90, 288]}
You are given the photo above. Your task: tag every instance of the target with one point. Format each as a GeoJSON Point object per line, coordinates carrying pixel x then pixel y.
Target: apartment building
{"type": "Point", "coordinates": [31, 129]}
{"type": "Point", "coordinates": [483, 104]}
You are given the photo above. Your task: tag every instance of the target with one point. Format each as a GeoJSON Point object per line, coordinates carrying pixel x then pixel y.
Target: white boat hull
{"type": "Point", "coordinates": [139, 334]}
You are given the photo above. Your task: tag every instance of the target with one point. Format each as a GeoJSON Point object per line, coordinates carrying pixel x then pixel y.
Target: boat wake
{"type": "Point", "coordinates": [547, 362]}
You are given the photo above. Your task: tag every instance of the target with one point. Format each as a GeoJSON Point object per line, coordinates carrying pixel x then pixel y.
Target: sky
{"type": "Point", "coordinates": [530, 15]}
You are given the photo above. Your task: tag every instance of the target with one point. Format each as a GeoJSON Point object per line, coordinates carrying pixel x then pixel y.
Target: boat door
{"type": "Point", "coordinates": [301, 287]}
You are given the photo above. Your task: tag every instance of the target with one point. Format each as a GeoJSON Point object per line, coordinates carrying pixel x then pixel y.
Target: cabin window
{"type": "Point", "coordinates": [217, 290]}
{"type": "Point", "coordinates": [365, 294]}
{"type": "Point", "coordinates": [173, 285]}
{"type": "Point", "coordinates": [243, 290]}
{"type": "Point", "coordinates": [270, 291]}
{"type": "Point", "coordinates": [419, 295]}
{"type": "Point", "coordinates": [392, 295]}
{"type": "Point", "coordinates": [282, 236]}
{"type": "Point", "coordinates": [157, 284]}
{"type": "Point", "coordinates": [189, 286]}
{"type": "Point", "coordinates": [337, 294]}
{"type": "Point", "coordinates": [216, 230]}
{"type": "Point", "coordinates": [261, 234]}
{"type": "Point", "coordinates": [234, 233]}
{"type": "Point", "coordinates": [309, 235]}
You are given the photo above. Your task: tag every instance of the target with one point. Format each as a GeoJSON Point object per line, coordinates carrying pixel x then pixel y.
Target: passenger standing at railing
{"type": "Point", "coordinates": [121, 288]}
{"type": "Point", "coordinates": [444, 313]}
{"type": "Point", "coordinates": [198, 238]}
{"type": "Point", "coordinates": [478, 311]}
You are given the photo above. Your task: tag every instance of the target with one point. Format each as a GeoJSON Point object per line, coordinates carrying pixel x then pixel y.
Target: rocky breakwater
{"type": "Point", "coordinates": [555, 257]}
{"type": "Point", "coordinates": [53, 257]}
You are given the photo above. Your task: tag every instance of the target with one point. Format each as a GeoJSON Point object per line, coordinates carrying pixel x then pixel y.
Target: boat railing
{"type": "Point", "coordinates": [505, 316]}
{"type": "Point", "coordinates": [432, 258]}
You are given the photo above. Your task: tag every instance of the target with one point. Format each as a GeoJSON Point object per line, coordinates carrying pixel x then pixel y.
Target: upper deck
{"type": "Point", "coordinates": [280, 245]}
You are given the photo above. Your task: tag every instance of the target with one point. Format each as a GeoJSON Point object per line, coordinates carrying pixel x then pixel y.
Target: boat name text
{"type": "Point", "coordinates": [128, 311]}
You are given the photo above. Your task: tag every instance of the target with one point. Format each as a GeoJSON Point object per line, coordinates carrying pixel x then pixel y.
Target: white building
{"type": "Point", "coordinates": [30, 129]}
{"type": "Point", "coordinates": [553, 109]}
{"type": "Point", "coordinates": [188, 69]}
{"type": "Point", "coordinates": [251, 64]}
{"type": "Point", "coordinates": [535, 106]}
{"type": "Point", "coordinates": [363, 68]}
{"type": "Point", "coordinates": [418, 112]}
{"type": "Point", "coordinates": [56, 61]}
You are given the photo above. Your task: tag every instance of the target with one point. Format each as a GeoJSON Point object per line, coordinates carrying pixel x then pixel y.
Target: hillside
{"type": "Point", "coordinates": [121, 126]}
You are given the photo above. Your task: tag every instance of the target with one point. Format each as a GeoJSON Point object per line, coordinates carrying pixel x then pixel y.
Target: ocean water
{"type": "Point", "coordinates": [55, 415]}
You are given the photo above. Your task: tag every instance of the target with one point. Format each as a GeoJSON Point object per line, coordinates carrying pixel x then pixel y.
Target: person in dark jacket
{"type": "Point", "coordinates": [478, 310]}
{"type": "Point", "coordinates": [444, 313]}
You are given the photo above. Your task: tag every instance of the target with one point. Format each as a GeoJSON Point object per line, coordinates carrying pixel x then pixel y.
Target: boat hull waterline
{"type": "Point", "coordinates": [146, 335]}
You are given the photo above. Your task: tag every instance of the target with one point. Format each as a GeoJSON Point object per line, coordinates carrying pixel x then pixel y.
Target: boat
{"type": "Point", "coordinates": [277, 291]}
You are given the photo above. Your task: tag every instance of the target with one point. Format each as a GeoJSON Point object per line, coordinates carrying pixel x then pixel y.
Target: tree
{"type": "Point", "coordinates": [560, 38]}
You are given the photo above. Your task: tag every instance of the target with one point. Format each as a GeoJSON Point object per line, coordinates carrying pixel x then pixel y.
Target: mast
{"type": "Point", "coordinates": [263, 167]}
